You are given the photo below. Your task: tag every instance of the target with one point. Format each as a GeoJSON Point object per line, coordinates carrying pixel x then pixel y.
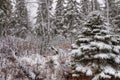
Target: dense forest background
{"type": "Point", "coordinates": [59, 39]}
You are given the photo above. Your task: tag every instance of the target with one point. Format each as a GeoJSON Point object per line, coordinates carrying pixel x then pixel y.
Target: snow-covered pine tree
{"type": "Point", "coordinates": [117, 20]}
{"type": "Point", "coordinates": [113, 7]}
{"type": "Point", "coordinates": [96, 51]}
{"type": "Point", "coordinates": [85, 6]}
{"type": "Point", "coordinates": [20, 20]}
{"type": "Point", "coordinates": [59, 14]}
{"type": "Point", "coordinates": [2, 22]}
{"type": "Point", "coordinates": [40, 18]}
{"type": "Point", "coordinates": [5, 12]}
{"type": "Point", "coordinates": [44, 17]}
{"type": "Point", "coordinates": [44, 22]}
{"type": "Point", "coordinates": [71, 18]}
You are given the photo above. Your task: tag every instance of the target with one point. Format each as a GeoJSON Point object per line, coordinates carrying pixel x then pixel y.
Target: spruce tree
{"type": "Point", "coordinates": [20, 20]}
{"type": "Point", "coordinates": [5, 12]}
{"type": "Point", "coordinates": [85, 7]}
{"type": "Point", "coordinates": [59, 14]}
{"type": "Point", "coordinates": [71, 20]}
{"type": "Point", "coordinates": [116, 18]}
{"type": "Point", "coordinates": [43, 22]}
{"type": "Point", "coordinates": [5, 6]}
{"type": "Point", "coordinates": [113, 7]}
{"type": "Point", "coordinates": [2, 22]}
{"type": "Point", "coordinates": [43, 17]}
{"type": "Point", "coordinates": [96, 51]}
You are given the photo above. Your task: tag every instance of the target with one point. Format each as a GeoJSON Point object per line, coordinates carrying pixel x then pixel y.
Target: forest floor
{"type": "Point", "coordinates": [20, 58]}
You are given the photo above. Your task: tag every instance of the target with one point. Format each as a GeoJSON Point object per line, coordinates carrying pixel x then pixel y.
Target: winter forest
{"type": "Point", "coordinates": [59, 39]}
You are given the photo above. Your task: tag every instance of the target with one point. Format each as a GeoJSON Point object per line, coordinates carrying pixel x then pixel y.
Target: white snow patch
{"type": "Point", "coordinates": [117, 59]}
{"type": "Point", "coordinates": [117, 74]}
{"type": "Point", "coordinates": [84, 39]}
{"type": "Point", "coordinates": [75, 75]}
{"type": "Point", "coordinates": [83, 69]}
{"type": "Point", "coordinates": [74, 46]}
{"type": "Point", "coordinates": [79, 68]}
{"type": "Point", "coordinates": [116, 49]}
{"type": "Point", "coordinates": [102, 56]}
{"type": "Point", "coordinates": [89, 72]}
{"type": "Point", "coordinates": [76, 52]}
{"type": "Point", "coordinates": [103, 75]}
{"type": "Point", "coordinates": [109, 70]}
{"type": "Point", "coordinates": [85, 47]}
{"type": "Point", "coordinates": [101, 45]}
{"type": "Point", "coordinates": [99, 37]}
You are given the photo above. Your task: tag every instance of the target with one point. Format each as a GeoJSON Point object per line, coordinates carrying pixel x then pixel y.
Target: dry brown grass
{"type": "Point", "coordinates": [65, 45]}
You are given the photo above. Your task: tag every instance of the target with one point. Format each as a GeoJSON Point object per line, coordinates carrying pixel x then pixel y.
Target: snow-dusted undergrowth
{"type": "Point", "coordinates": [20, 60]}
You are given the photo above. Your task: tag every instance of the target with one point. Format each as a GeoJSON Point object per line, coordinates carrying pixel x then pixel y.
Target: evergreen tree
{"type": "Point", "coordinates": [95, 5]}
{"type": "Point", "coordinates": [97, 50]}
{"type": "Point", "coordinates": [117, 20]}
{"type": "Point", "coordinates": [59, 8]}
{"type": "Point", "coordinates": [5, 6]}
{"type": "Point", "coordinates": [43, 22]}
{"type": "Point", "coordinates": [115, 16]}
{"type": "Point", "coordinates": [5, 12]}
{"type": "Point", "coordinates": [71, 18]}
{"type": "Point", "coordinates": [113, 7]}
{"type": "Point", "coordinates": [85, 6]}
{"type": "Point", "coordinates": [44, 17]}
{"type": "Point", "coordinates": [20, 20]}
{"type": "Point", "coordinates": [116, 23]}
{"type": "Point", "coordinates": [59, 14]}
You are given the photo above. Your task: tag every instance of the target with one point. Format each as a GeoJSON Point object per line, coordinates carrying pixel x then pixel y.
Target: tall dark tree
{"type": "Point", "coordinates": [43, 17]}
{"type": "Point", "coordinates": [20, 27]}
{"type": "Point", "coordinates": [113, 8]}
{"type": "Point", "coordinates": [5, 5]}
{"type": "Point", "coordinates": [44, 22]}
{"type": "Point", "coordinates": [59, 8]}
{"type": "Point", "coordinates": [71, 18]}
{"type": "Point", "coordinates": [114, 14]}
{"type": "Point", "coordinates": [5, 12]}
{"type": "Point", "coordinates": [85, 6]}
{"type": "Point", "coordinates": [59, 13]}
